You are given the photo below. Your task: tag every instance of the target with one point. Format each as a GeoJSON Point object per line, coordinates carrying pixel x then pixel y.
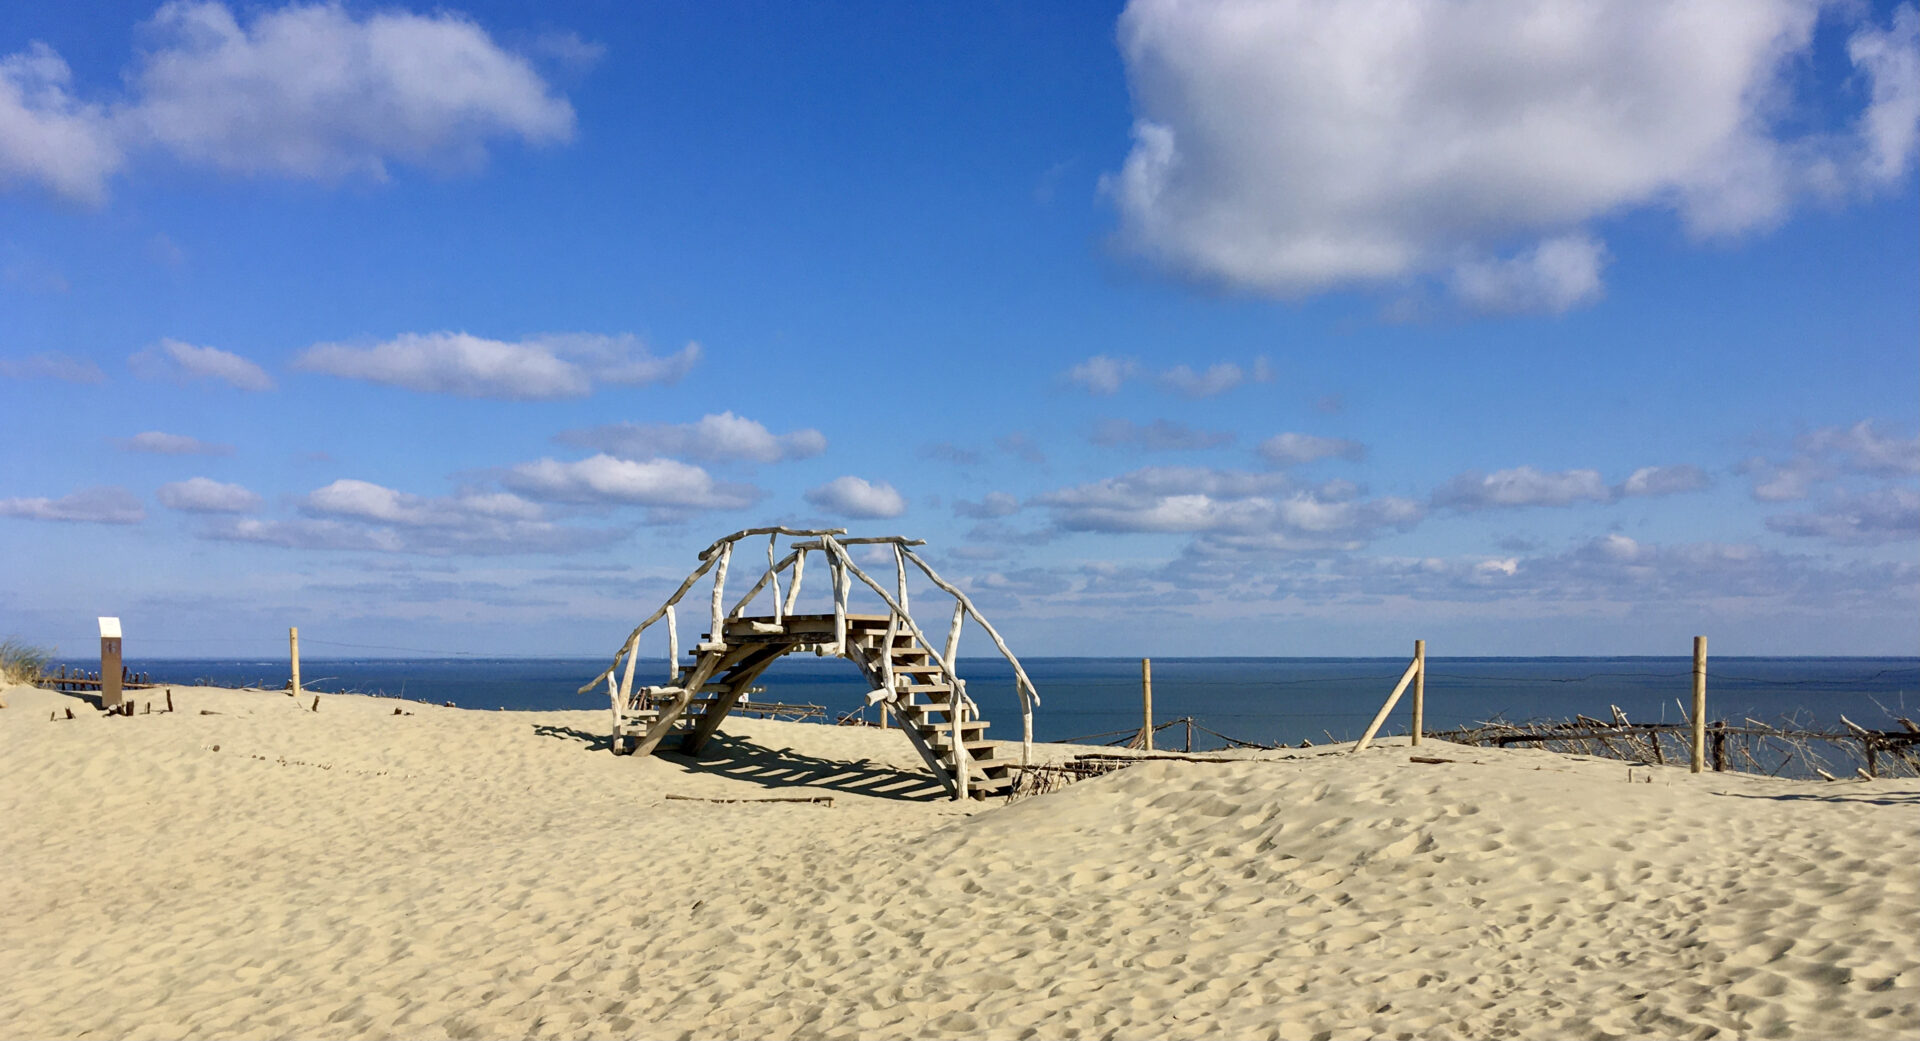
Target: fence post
{"type": "Point", "coordinates": [1146, 703]}
{"type": "Point", "coordinates": [1699, 704]}
{"type": "Point", "coordinates": [293, 651]}
{"type": "Point", "coordinates": [110, 663]}
{"type": "Point", "coordinates": [1419, 689]}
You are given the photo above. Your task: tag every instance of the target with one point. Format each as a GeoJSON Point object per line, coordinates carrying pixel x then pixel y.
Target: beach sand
{"type": "Point", "coordinates": [272, 871]}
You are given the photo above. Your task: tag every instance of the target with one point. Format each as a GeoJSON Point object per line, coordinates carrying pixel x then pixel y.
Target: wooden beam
{"type": "Point", "coordinates": [717, 710]}
{"type": "Point", "coordinates": [1381, 716]}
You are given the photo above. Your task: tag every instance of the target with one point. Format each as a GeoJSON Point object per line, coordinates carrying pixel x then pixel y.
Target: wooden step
{"type": "Point", "coordinates": [976, 726]}
{"type": "Point", "coordinates": [923, 669]}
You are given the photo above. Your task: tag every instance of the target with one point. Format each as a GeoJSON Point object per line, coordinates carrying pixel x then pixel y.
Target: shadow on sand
{"type": "Point", "coordinates": [1868, 797]}
{"type": "Point", "coordinates": [739, 758]}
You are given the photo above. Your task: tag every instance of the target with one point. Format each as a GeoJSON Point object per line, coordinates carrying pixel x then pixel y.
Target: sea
{"type": "Point", "coordinates": [1266, 701]}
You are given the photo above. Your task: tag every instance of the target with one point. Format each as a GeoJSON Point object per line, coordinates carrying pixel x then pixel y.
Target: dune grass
{"type": "Point", "coordinates": [22, 662]}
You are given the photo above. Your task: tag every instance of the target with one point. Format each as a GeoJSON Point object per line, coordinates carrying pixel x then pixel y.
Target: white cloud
{"type": "Point", "coordinates": [851, 496]}
{"type": "Point", "coordinates": [1887, 515]}
{"type": "Point", "coordinates": [714, 438]}
{"type": "Point", "coordinates": [180, 362]}
{"type": "Point", "coordinates": [993, 504]}
{"type": "Point", "coordinates": [1101, 374]}
{"type": "Point", "coordinates": [309, 90]}
{"type": "Point", "coordinates": [49, 137]}
{"type": "Point", "coordinates": [1522, 486]}
{"type": "Point", "coordinates": [1664, 480]}
{"type": "Point", "coordinates": [351, 514]}
{"type": "Point", "coordinates": [52, 365]}
{"type": "Point", "coordinates": [1294, 148]}
{"type": "Point", "coordinates": [664, 483]}
{"type": "Point", "coordinates": [1215, 379]}
{"type": "Point", "coordinates": [204, 495]}
{"type": "Point", "coordinates": [89, 505]}
{"type": "Point", "coordinates": [539, 368]}
{"type": "Point", "coordinates": [1267, 508]}
{"type": "Point", "coordinates": [154, 442]}
{"type": "Point", "coordinates": [1558, 274]}
{"type": "Point", "coordinates": [1292, 449]}
{"type": "Point", "coordinates": [1161, 435]}
{"type": "Point", "coordinates": [1104, 375]}
{"type": "Point", "coordinates": [1862, 448]}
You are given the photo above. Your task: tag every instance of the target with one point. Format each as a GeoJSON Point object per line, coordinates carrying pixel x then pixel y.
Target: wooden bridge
{"type": "Point", "coordinates": [907, 674]}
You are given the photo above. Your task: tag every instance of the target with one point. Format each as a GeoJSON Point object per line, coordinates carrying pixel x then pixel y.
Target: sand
{"type": "Point", "coordinates": [271, 871]}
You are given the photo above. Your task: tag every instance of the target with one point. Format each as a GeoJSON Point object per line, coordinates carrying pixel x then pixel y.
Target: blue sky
{"type": "Point", "coordinates": [1174, 328]}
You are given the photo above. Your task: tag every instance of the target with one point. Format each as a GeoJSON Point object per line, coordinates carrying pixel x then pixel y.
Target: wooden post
{"type": "Point", "coordinates": [673, 647]}
{"type": "Point", "coordinates": [1419, 688]}
{"type": "Point", "coordinates": [1699, 704]}
{"type": "Point", "coordinates": [1146, 703]}
{"type": "Point", "coordinates": [1392, 699]}
{"type": "Point", "coordinates": [1720, 747]}
{"type": "Point", "coordinates": [293, 652]}
{"type": "Point", "coordinates": [110, 663]}
{"type": "Point", "coordinates": [956, 713]}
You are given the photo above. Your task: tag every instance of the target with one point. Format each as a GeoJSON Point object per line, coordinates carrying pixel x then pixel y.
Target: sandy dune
{"type": "Point", "coordinates": [352, 873]}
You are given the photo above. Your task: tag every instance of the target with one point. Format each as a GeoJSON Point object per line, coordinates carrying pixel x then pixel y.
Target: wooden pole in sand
{"type": "Point", "coordinates": [1699, 704]}
{"type": "Point", "coordinates": [110, 678]}
{"type": "Point", "coordinates": [1146, 703]}
{"type": "Point", "coordinates": [1419, 689]}
{"type": "Point", "coordinates": [293, 650]}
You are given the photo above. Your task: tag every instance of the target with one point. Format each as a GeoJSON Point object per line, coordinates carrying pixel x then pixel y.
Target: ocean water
{"type": "Point", "coordinates": [1264, 700]}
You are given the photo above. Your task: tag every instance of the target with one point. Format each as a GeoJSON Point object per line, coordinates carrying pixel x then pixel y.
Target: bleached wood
{"type": "Point", "coordinates": [718, 632]}
{"type": "Point", "coordinates": [961, 757]}
{"type": "Point", "coordinates": [839, 596]}
{"type": "Point", "coordinates": [1007, 652]}
{"type": "Point", "coordinates": [953, 630]}
{"type": "Point", "coordinates": [673, 646]}
{"type": "Point", "coordinates": [1146, 704]}
{"type": "Point", "coordinates": [900, 576]}
{"type": "Point", "coordinates": [870, 540]}
{"type": "Point", "coordinates": [633, 638]}
{"type": "Point", "coordinates": [793, 585]}
{"type": "Point", "coordinates": [795, 532]}
{"type": "Point", "coordinates": [740, 605]}
{"type": "Point", "coordinates": [1381, 716]}
{"type": "Point", "coordinates": [293, 650]}
{"type": "Point", "coordinates": [773, 577]}
{"type": "Point", "coordinates": [1419, 689]}
{"type": "Point", "coordinates": [626, 679]}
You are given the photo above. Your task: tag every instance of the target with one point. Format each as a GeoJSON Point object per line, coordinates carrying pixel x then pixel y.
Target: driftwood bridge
{"type": "Point", "coordinates": [907, 673]}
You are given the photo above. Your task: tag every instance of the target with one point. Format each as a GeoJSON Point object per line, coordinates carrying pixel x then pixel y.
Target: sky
{"type": "Point", "coordinates": [1174, 328]}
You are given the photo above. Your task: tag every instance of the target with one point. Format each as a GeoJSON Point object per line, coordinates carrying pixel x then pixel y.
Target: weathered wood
{"type": "Point", "coordinates": [717, 709]}
{"type": "Point", "coordinates": [633, 638]}
{"type": "Point", "coordinates": [961, 759]}
{"type": "Point", "coordinates": [953, 632]}
{"type": "Point", "coordinates": [110, 682]}
{"type": "Point", "coordinates": [840, 591]}
{"type": "Point", "coordinates": [1146, 703]}
{"type": "Point", "coordinates": [900, 573]}
{"type": "Point", "coordinates": [793, 585]}
{"type": "Point", "coordinates": [720, 592]}
{"type": "Point", "coordinates": [729, 540]}
{"type": "Point", "coordinates": [950, 589]}
{"type": "Point", "coordinates": [293, 652]}
{"type": "Point", "coordinates": [1381, 716]}
{"type": "Point", "coordinates": [816, 799]}
{"type": "Point", "coordinates": [773, 576]}
{"type": "Point", "coordinates": [673, 646]}
{"type": "Point", "coordinates": [740, 605]}
{"type": "Point", "coordinates": [1699, 721]}
{"type": "Point", "coordinates": [867, 540]}
{"type": "Point", "coordinates": [1419, 690]}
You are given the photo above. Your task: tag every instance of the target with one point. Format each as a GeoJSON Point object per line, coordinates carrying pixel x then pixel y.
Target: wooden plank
{"type": "Point", "coordinates": [1381, 716]}
{"type": "Point", "coordinates": [743, 675]}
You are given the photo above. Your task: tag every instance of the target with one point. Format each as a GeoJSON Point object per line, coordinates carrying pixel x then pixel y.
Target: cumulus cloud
{"type": "Point", "coordinates": [48, 137]}
{"type": "Point", "coordinates": [154, 442]}
{"type": "Point", "coordinates": [714, 438]}
{"type": "Point", "coordinates": [851, 496]}
{"type": "Point", "coordinates": [1293, 449]}
{"type": "Point", "coordinates": [1265, 508]}
{"type": "Point", "coordinates": [539, 368]}
{"type": "Point", "coordinates": [604, 479]}
{"type": "Point", "coordinates": [305, 91]}
{"type": "Point", "coordinates": [1521, 486]}
{"type": "Point", "coordinates": [1663, 480]}
{"type": "Point", "coordinates": [205, 495]}
{"type": "Point", "coordinates": [52, 365]}
{"type": "Point", "coordinates": [1161, 435]}
{"type": "Point", "coordinates": [180, 362]}
{"type": "Point", "coordinates": [311, 91]}
{"type": "Point", "coordinates": [991, 505]}
{"type": "Point", "coordinates": [89, 505]}
{"type": "Point", "coordinates": [1558, 274]}
{"type": "Point", "coordinates": [1295, 148]}
{"type": "Point", "coordinates": [1887, 515]}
